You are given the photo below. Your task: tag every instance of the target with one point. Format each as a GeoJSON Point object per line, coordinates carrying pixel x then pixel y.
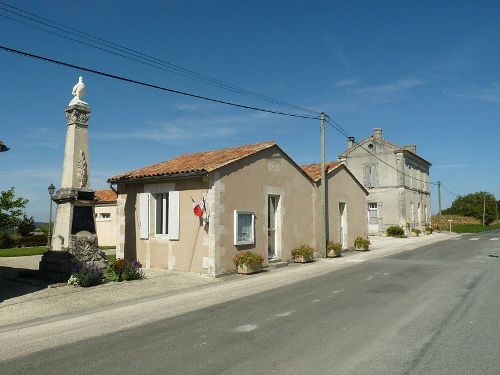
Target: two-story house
{"type": "Point", "coordinates": [397, 180]}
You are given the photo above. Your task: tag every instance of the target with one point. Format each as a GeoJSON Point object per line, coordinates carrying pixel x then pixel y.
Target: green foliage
{"type": "Point", "coordinates": [248, 258]}
{"type": "Point", "coordinates": [474, 228]}
{"type": "Point", "coordinates": [123, 269]}
{"type": "Point", "coordinates": [11, 209]}
{"type": "Point", "coordinates": [472, 205]}
{"type": "Point", "coordinates": [86, 276]}
{"type": "Point", "coordinates": [428, 229]}
{"type": "Point", "coordinates": [416, 231]}
{"type": "Point", "coordinates": [362, 243]}
{"type": "Point", "coordinates": [26, 226]}
{"type": "Point", "coordinates": [395, 231]}
{"type": "Point", "coordinates": [6, 240]}
{"type": "Point", "coordinates": [305, 251]}
{"type": "Point", "coordinates": [335, 247]}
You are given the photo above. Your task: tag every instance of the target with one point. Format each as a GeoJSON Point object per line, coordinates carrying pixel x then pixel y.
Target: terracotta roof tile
{"type": "Point", "coordinates": [314, 170]}
{"type": "Point", "coordinates": [206, 161]}
{"type": "Point", "coordinates": [105, 196]}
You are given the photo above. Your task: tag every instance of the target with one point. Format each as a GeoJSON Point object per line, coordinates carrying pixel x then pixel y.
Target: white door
{"type": "Point", "coordinates": [372, 218]}
{"type": "Point", "coordinates": [343, 226]}
{"type": "Point", "coordinates": [272, 224]}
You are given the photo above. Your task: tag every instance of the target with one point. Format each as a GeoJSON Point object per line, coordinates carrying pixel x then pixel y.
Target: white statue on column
{"type": "Point", "coordinates": [78, 92]}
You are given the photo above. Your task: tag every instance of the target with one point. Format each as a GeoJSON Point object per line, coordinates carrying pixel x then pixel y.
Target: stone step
{"type": "Point", "coordinates": [277, 264]}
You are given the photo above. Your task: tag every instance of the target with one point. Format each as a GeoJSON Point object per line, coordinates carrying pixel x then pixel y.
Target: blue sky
{"type": "Point", "coordinates": [427, 72]}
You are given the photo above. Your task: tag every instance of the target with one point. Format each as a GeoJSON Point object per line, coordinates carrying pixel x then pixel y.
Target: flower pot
{"type": "Point", "coordinates": [335, 253]}
{"type": "Point", "coordinates": [362, 248]}
{"type": "Point", "coordinates": [303, 259]}
{"type": "Point", "coordinates": [248, 269]}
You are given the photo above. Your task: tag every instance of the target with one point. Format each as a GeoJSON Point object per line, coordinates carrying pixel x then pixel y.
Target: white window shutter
{"type": "Point", "coordinates": [173, 215]}
{"type": "Point", "coordinates": [144, 215]}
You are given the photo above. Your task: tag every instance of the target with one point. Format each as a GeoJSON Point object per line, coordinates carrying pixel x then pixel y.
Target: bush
{"type": "Point", "coordinates": [395, 231]}
{"type": "Point", "coordinates": [248, 258]}
{"type": "Point", "coordinates": [362, 243]}
{"type": "Point", "coordinates": [428, 229]}
{"type": "Point", "coordinates": [34, 240]}
{"type": "Point", "coordinates": [6, 241]}
{"type": "Point", "coordinates": [335, 247]}
{"type": "Point", "coordinates": [123, 269]}
{"type": "Point", "coordinates": [305, 251]}
{"type": "Point", "coordinates": [86, 275]}
{"type": "Point", "coordinates": [416, 231]}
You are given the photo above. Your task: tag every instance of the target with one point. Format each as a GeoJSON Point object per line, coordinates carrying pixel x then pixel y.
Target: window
{"type": "Point", "coordinates": [161, 213]}
{"type": "Point", "coordinates": [371, 176]}
{"type": "Point", "coordinates": [103, 216]}
{"type": "Point", "coordinates": [244, 228]}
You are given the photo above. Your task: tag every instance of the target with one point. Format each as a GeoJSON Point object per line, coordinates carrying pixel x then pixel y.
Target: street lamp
{"type": "Point", "coordinates": [51, 190]}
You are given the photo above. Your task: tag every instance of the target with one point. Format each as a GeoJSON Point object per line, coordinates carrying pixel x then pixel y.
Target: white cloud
{"type": "Point", "coordinates": [346, 82]}
{"type": "Point", "coordinates": [396, 86]}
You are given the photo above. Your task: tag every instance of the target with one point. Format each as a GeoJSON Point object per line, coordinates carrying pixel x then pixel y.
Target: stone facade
{"type": "Point", "coordinates": [397, 180]}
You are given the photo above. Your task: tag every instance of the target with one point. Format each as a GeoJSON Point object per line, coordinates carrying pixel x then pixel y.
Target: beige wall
{"type": "Point", "coordinates": [343, 188]}
{"type": "Point", "coordinates": [106, 229]}
{"type": "Point", "coordinates": [184, 254]}
{"type": "Point", "coordinates": [245, 185]}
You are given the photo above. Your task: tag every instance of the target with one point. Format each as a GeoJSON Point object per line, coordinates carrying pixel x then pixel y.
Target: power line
{"type": "Point", "coordinates": [455, 195]}
{"type": "Point", "coordinates": [138, 57]}
{"type": "Point", "coordinates": [109, 75]}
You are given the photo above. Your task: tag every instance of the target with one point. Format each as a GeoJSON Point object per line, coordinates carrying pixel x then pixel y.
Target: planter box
{"type": "Point", "coordinates": [249, 269]}
{"type": "Point", "coordinates": [303, 259]}
{"type": "Point", "coordinates": [361, 248]}
{"type": "Point", "coordinates": [332, 253]}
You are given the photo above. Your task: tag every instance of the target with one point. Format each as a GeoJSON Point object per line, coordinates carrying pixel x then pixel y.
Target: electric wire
{"type": "Point", "coordinates": [139, 56]}
{"type": "Point", "coordinates": [174, 91]}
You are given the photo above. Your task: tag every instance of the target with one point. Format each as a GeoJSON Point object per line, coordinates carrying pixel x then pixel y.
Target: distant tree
{"type": "Point", "coordinates": [472, 205]}
{"type": "Point", "coordinates": [11, 209]}
{"type": "Point", "coordinates": [26, 226]}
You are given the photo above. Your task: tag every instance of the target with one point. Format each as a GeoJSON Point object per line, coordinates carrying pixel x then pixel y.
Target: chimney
{"type": "Point", "coordinates": [350, 142]}
{"type": "Point", "coordinates": [412, 148]}
{"type": "Point", "coordinates": [377, 134]}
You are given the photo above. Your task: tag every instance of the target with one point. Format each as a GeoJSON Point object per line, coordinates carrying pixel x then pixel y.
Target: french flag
{"type": "Point", "coordinates": [199, 208]}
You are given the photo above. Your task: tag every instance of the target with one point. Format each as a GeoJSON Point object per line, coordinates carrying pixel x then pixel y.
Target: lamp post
{"type": "Point", "coordinates": [51, 190]}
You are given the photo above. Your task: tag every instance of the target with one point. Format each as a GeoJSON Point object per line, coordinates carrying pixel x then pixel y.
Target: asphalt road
{"type": "Point", "coordinates": [433, 310]}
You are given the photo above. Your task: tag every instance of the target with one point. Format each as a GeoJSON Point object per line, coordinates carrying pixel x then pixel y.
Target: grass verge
{"type": "Point", "coordinates": [38, 250]}
{"type": "Point", "coordinates": [474, 228]}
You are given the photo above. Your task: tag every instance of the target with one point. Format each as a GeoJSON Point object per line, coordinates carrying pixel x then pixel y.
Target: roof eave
{"type": "Point", "coordinates": [173, 176]}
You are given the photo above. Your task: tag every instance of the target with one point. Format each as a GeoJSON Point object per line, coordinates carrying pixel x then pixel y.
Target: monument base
{"type": "Point", "coordinates": [57, 265]}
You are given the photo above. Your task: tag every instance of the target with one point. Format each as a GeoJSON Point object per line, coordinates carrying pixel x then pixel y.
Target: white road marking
{"type": "Point", "coordinates": [457, 238]}
{"type": "Point", "coordinates": [386, 274]}
{"type": "Point", "coordinates": [495, 239]}
{"type": "Point", "coordinates": [474, 239]}
{"type": "Point", "coordinates": [369, 278]}
{"type": "Point", "coordinates": [288, 313]}
{"type": "Point", "coordinates": [246, 328]}
{"type": "Point", "coordinates": [315, 300]}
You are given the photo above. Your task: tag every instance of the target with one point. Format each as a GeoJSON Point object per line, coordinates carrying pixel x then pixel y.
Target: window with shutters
{"type": "Point", "coordinates": [371, 176]}
{"type": "Point", "coordinates": [161, 213]}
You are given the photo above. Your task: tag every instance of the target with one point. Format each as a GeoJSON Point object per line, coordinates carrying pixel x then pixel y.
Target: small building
{"type": "Point", "coordinates": [397, 180]}
{"type": "Point", "coordinates": [195, 212]}
{"type": "Point", "coordinates": [105, 217]}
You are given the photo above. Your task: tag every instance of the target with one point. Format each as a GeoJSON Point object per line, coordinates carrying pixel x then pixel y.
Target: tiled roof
{"type": "Point", "coordinates": [105, 196]}
{"type": "Point", "coordinates": [200, 162]}
{"type": "Point", "coordinates": [314, 170]}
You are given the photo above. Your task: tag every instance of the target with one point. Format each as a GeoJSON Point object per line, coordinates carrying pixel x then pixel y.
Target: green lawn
{"type": "Point", "coordinates": [473, 228]}
{"type": "Point", "coordinates": [39, 250]}
{"type": "Point", "coordinates": [22, 251]}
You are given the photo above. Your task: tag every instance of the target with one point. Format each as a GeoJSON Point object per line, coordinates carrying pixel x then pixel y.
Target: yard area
{"type": "Point", "coordinates": [474, 228]}
{"type": "Point", "coordinates": [39, 250]}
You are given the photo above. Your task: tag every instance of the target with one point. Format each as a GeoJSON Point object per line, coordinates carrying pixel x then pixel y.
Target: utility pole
{"type": "Point", "coordinates": [496, 206]}
{"type": "Point", "coordinates": [324, 209]}
{"type": "Point", "coordinates": [439, 198]}
{"type": "Point", "coordinates": [484, 207]}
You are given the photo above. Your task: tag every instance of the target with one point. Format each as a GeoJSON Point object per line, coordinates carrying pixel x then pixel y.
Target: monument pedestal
{"type": "Point", "coordinates": [74, 240]}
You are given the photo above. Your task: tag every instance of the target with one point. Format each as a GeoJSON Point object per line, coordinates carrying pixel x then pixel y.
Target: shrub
{"type": "Point", "coordinates": [428, 229]}
{"type": "Point", "coordinates": [33, 240]}
{"type": "Point", "coordinates": [395, 231]}
{"type": "Point", "coordinates": [86, 275]}
{"type": "Point", "coordinates": [335, 247]}
{"type": "Point", "coordinates": [248, 258]}
{"type": "Point", "coordinates": [416, 231]}
{"type": "Point", "coordinates": [362, 243]}
{"type": "Point", "coordinates": [305, 251]}
{"type": "Point", "coordinates": [6, 241]}
{"type": "Point", "coordinates": [123, 269]}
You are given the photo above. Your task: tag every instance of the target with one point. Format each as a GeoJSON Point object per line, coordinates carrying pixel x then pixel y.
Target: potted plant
{"type": "Point", "coordinates": [248, 262]}
{"type": "Point", "coordinates": [362, 244]}
{"type": "Point", "coordinates": [428, 229]}
{"type": "Point", "coordinates": [302, 254]}
{"type": "Point", "coordinates": [334, 249]}
{"type": "Point", "coordinates": [416, 232]}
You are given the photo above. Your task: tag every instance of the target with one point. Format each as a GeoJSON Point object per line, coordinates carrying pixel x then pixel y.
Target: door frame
{"type": "Point", "coordinates": [343, 226]}
{"type": "Point", "coordinates": [277, 224]}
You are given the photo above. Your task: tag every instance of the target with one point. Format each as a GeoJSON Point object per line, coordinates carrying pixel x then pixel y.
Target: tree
{"type": "Point", "coordinates": [472, 205]}
{"type": "Point", "coordinates": [11, 209]}
{"type": "Point", "coordinates": [26, 226]}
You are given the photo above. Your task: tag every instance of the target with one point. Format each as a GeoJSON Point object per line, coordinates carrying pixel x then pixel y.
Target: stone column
{"type": "Point", "coordinates": [74, 239]}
